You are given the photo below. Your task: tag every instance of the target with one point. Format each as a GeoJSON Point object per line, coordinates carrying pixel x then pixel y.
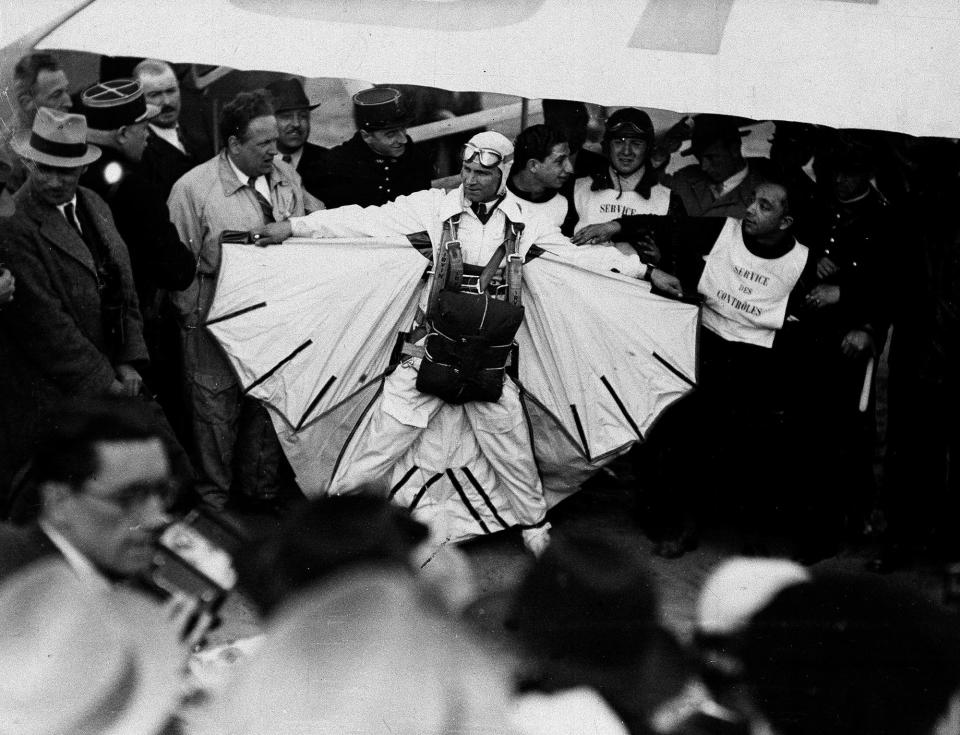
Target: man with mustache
{"type": "Point", "coordinates": [241, 189]}
{"type": "Point", "coordinates": [293, 124]}
{"type": "Point", "coordinates": [380, 162]}
{"type": "Point", "coordinates": [173, 148]}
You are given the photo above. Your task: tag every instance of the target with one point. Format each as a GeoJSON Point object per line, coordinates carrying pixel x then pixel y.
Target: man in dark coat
{"type": "Point", "coordinates": [380, 162]}
{"type": "Point", "coordinates": [848, 315]}
{"type": "Point", "coordinates": [722, 181]}
{"type": "Point", "coordinates": [173, 148]}
{"type": "Point", "coordinates": [117, 117]}
{"type": "Point", "coordinates": [74, 327]}
{"type": "Point", "coordinates": [292, 110]}
{"type": "Point", "coordinates": [103, 482]}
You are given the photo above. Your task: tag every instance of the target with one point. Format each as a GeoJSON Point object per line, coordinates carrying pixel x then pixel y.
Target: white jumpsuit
{"type": "Point", "coordinates": [480, 452]}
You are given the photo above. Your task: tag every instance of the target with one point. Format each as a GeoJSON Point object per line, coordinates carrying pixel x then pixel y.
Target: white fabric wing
{"type": "Point", "coordinates": [602, 354]}
{"type": "Point", "coordinates": [298, 323]}
{"type": "Point", "coordinates": [888, 64]}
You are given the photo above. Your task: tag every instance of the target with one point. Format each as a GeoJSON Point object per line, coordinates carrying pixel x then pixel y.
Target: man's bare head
{"type": "Point", "coordinates": [161, 88]}
{"type": "Point", "coordinates": [39, 82]}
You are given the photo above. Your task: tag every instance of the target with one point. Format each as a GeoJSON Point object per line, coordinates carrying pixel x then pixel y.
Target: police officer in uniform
{"type": "Point", "coordinates": [117, 117]}
{"type": "Point", "coordinates": [849, 313]}
{"type": "Point", "coordinates": [380, 162]}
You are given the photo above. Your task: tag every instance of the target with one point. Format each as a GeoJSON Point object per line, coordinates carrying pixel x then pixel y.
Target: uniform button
{"type": "Point", "coordinates": [832, 240]}
{"type": "Point", "coordinates": [379, 187]}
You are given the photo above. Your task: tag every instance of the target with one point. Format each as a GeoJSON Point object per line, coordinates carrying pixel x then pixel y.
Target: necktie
{"type": "Point", "coordinates": [287, 158]}
{"type": "Point", "coordinates": [71, 216]}
{"type": "Point", "coordinates": [265, 206]}
{"type": "Point", "coordinates": [480, 209]}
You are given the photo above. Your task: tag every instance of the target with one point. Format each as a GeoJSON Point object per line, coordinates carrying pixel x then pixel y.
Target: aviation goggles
{"type": "Point", "coordinates": [487, 156]}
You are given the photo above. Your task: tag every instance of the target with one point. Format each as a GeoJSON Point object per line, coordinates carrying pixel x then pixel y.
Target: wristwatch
{"type": "Point", "coordinates": [648, 275]}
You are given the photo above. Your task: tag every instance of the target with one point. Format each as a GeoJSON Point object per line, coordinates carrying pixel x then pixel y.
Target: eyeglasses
{"type": "Point", "coordinates": [136, 495]}
{"type": "Point", "coordinates": [486, 156]}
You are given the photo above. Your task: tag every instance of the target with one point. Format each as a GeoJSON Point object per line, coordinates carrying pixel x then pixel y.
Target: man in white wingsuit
{"type": "Point", "coordinates": [417, 438]}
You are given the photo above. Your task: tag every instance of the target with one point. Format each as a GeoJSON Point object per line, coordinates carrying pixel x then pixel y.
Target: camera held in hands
{"type": "Point", "coordinates": [194, 557]}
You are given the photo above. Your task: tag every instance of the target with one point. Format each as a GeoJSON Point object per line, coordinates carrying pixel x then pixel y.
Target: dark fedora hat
{"type": "Point", "coordinates": [380, 108]}
{"type": "Point", "coordinates": [288, 95]}
{"type": "Point", "coordinates": [709, 129]}
{"type": "Point", "coordinates": [111, 105]}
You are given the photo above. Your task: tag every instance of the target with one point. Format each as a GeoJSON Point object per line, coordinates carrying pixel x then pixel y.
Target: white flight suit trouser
{"type": "Point", "coordinates": [463, 469]}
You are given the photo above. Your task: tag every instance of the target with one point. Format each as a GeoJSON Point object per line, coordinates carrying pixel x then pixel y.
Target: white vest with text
{"type": "Point", "coordinates": [596, 207]}
{"type": "Point", "coordinates": [746, 295]}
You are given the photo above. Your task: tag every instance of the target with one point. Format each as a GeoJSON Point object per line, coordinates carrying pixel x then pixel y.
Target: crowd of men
{"type": "Point", "coordinates": [112, 216]}
{"type": "Point", "coordinates": [366, 628]}
{"type": "Point", "coordinates": [802, 262]}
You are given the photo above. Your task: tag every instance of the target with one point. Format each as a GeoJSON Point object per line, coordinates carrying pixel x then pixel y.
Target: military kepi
{"type": "Point", "coordinates": [111, 105]}
{"type": "Point", "coordinates": [380, 108]}
{"type": "Point", "coordinates": [57, 139]}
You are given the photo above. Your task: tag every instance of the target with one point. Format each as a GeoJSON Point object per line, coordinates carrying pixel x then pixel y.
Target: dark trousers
{"type": "Point", "coordinates": [237, 450]}
{"type": "Point", "coordinates": [721, 449]}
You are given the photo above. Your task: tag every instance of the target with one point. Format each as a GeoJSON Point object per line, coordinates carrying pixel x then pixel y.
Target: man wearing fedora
{"type": "Point", "coordinates": [722, 181]}
{"type": "Point", "coordinates": [117, 117]}
{"type": "Point", "coordinates": [380, 162]}
{"type": "Point", "coordinates": [74, 328]}
{"type": "Point", "coordinates": [293, 125]}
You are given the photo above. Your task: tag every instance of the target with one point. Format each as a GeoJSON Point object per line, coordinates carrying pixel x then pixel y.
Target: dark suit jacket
{"type": "Point", "coordinates": [55, 344]}
{"type": "Point", "coordinates": [164, 163]}
{"type": "Point", "coordinates": [692, 196]}
{"type": "Point", "coordinates": [311, 166]}
{"type": "Point", "coordinates": [354, 174]}
{"type": "Point", "coordinates": [157, 256]}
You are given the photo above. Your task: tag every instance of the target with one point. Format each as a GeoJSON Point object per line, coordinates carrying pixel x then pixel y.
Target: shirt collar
{"type": "Point", "coordinates": [85, 570]}
{"type": "Point", "coordinates": [541, 198]}
{"type": "Point", "coordinates": [626, 183]}
{"type": "Point", "coordinates": [732, 183]}
{"type": "Point", "coordinates": [264, 184]}
{"type": "Point", "coordinates": [171, 135]}
{"type": "Point", "coordinates": [294, 157]}
{"type": "Point", "coordinates": [63, 207]}
{"type": "Point", "coordinates": [237, 172]}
